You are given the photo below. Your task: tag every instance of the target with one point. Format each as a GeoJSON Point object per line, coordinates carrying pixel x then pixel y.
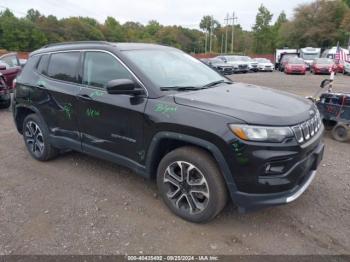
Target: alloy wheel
{"type": "Point", "coordinates": [34, 138]}
{"type": "Point", "coordinates": [187, 187]}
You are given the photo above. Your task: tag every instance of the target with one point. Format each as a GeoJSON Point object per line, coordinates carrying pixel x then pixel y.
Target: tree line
{"type": "Point", "coordinates": [321, 23]}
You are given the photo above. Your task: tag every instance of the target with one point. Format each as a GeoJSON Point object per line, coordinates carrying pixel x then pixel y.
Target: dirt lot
{"type": "Point", "coordinates": [80, 205]}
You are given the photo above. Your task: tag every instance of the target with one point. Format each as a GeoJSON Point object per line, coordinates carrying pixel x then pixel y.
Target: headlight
{"type": "Point", "coordinates": [261, 133]}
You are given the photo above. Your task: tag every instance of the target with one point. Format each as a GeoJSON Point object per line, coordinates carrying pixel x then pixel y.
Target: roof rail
{"type": "Point", "coordinates": [77, 43]}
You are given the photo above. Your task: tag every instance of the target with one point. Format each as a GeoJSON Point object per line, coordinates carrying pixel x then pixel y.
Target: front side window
{"type": "Point", "coordinates": [172, 68]}
{"type": "Point", "coordinates": [100, 68]}
{"type": "Point", "coordinates": [63, 66]}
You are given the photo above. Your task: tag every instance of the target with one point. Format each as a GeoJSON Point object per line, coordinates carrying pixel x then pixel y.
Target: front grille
{"type": "Point", "coordinates": [308, 129]}
{"type": "Point", "coordinates": [243, 66]}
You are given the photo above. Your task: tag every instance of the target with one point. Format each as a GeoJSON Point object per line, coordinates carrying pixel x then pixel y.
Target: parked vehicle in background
{"type": "Point", "coordinates": [252, 65]}
{"type": "Point", "coordinates": [309, 54]}
{"type": "Point", "coordinates": [264, 64]}
{"type": "Point", "coordinates": [346, 67]}
{"type": "Point", "coordinates": [13, 68]}
{"type": "Point", "coordinates": [322, 66]}
{"type": "Point", "coordinates": [220, 66]}
{"type": "Point", "coordinates": [239, 66]}
{"type": "Point", "coordinates": [331, 53]}
{"type": "Point", "coordinates": [284, 60]}
{"type": "Point", "coordinates": [5, 96]}
{"type": "Point", "coordinates": [280, 52]}
{"type": "Point", "coordinates": [295, 65]}
{"type": "Point", "coordinates": [340, 67]}
{"type": "Point", "coordinates": [202, 137]}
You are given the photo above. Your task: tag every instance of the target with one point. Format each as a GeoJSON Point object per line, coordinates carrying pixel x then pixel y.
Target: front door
{"type": "Point", "coordinates": [110, 124]}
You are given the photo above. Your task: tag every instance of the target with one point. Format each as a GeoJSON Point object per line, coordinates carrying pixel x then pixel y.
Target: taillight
{"type": "Point", "coordinates": [14, 83]}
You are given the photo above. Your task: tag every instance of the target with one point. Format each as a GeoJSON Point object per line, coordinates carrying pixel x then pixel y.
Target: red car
{"type": "Point", "coordinates": [11, 67]}
{"type": "Point", "coordinates": [5, 97]}
{"type": "Point", "coordinates": [323, 66]}
{"type": "Point", "coordinates": [340, 67]}
{"type": "Point", "coordinates": [295, 65]}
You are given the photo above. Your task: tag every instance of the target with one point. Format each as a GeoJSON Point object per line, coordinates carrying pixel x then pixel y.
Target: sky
{"type": "Point", "coordinates": [167, 12]}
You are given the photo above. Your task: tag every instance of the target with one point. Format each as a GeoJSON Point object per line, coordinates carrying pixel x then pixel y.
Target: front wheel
{"type": "Point", "coordinates": [341, 133]}
{"type": "Point", "coordinates": [36, 138]}
{"type": "Point", "coordinates": [5, 104]}
{"type": "Point", "coordinates": [191, 184]}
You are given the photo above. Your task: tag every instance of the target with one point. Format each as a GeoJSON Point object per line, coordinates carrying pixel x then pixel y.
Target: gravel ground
{"type": "Point", "coordinates": [76, 204]}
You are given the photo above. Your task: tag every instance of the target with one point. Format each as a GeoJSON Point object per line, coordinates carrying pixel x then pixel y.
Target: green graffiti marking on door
{"type": "Point", "coordinates": [92, 113]}
{"type": "Point", "coordinates": [67, 109]}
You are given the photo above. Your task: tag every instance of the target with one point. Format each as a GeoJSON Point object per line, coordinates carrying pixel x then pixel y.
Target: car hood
{"type": "Point", "coordinates": [265, 64]}
{"type": "Point", "coordinates": [237, 63]}
{"type": "Point", "coordinates": [252, 104]}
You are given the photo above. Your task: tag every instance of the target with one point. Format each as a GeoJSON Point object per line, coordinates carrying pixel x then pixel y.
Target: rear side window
{"type": "Point", "coordinates": [43, 64]}
{"type": "Point", "coordinates": [100, 68]}
{"type": "Point", "coordinates": [63, 66]}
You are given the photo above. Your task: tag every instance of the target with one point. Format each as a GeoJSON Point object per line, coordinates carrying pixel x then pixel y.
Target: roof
{"type": "Point", "coordinates": [95, 45]}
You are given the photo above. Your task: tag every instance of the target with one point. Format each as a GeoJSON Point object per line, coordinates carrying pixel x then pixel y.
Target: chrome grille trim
{"type": "Point", "coordinates": [308, 129]}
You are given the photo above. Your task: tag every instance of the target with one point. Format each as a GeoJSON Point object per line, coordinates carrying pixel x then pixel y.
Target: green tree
{"type": "Point", "coordinates": [263, 33]}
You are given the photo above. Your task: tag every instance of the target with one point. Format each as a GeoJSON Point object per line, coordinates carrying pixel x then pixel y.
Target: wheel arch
{"type": "Point", "coordinates": [173, 140]}
{"type": "Point", "coordinates": [21, 112]}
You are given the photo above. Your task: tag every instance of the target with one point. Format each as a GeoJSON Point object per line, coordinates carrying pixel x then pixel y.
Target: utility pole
{"type": "Point", "coordinates": [211, 33]}
{"type": "Point", "coordinates": [233, 29]}
{"type": "Point", "coordinates": [222, 43]}
{"type": "Point", "coordinates": [227, 22]}
{"type": "Point", "coordinates": [206, 41]}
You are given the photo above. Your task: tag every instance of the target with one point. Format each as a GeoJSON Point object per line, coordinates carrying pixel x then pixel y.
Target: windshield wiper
{"type": "Point", "coordinates": [180, 88]}
{"type": "Point", "coordinates": [216, 83]}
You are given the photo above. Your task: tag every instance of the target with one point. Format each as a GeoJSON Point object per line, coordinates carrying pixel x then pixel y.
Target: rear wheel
{"type": "Point", "coordinates": [341, 133]}
{"type": "Point", "coordinates": [191, 184]}
{"type": "Point", "coordinates": [36, 138]}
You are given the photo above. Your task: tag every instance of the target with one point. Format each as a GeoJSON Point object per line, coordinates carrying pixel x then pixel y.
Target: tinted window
{"type": "Point", "coordinates": [63, 66]}
{"type": "Point", "coordinates": [10, 60]}
{"type": "Point", "coordinates": [42, 67]}
{"type": "Point", "coordinates": [100, 68]}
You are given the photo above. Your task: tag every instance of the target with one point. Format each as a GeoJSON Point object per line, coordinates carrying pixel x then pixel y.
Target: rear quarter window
{"type": "Point", "coordinates": [43, 64]}
{"type": "Point", "coordinates": [63, 66]}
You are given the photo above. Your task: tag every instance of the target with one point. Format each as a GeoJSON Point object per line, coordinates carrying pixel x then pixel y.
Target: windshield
{"type": "Point", "coordinates": [296, 61]}
{"type": "Point", "coordinates": [262, 60]}
{"type": "Point", "coordinates": [324, 61]}
{"type": "Point", "coordinates": [245, 58]}
{"type": "Point", "coordinates": [309, 56]}
{"type": "Point", "coordinates": [172, 68]}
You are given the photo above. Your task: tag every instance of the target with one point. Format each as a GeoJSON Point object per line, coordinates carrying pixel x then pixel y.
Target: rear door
{"type": "Point", "coordinates": [110, 124]}
{"type": "Point", "coordinates": [55, 96]}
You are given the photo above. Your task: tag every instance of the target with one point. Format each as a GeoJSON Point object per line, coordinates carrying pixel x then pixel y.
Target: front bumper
{"type": "Point", "coordinates": [249, 202]}
{"type": "Point", "coordinates": [268, 175]}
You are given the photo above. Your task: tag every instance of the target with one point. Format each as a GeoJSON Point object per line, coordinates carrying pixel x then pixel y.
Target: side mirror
{"type": "Point", "coordinates": [3, 66]}
{"type": "Point", "coordinates": [325, 82]}
{"type": "Point", "coordinates": [123, 87]}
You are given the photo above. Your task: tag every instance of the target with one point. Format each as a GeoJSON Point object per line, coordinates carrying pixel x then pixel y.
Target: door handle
{"type": "Point", "coordinates": [84, 97]}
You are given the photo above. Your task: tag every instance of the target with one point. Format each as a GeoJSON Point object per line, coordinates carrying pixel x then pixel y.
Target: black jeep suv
{"type": "Point", "coordinates": [168, 116]}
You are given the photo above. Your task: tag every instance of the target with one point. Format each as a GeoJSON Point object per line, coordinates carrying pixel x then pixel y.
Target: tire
{"type": "Point", "coordinates": [36, 139]}
{"type": "Point", "coordinates": [6, 104]}
{"type": "Point", "coordinates": [341, 133]}
{"type": "Point", "coordinates": [204, 177]}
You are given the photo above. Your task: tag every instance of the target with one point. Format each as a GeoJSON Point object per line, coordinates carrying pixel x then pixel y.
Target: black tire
{"type": "Point", "coordinates": [5, 104]}
{"type": "Point", "coordinates": [36, 138]}
{"type": "Point", "coordinates": [201, 167]}
{"type": "Point", "coordinates": [341, 133]}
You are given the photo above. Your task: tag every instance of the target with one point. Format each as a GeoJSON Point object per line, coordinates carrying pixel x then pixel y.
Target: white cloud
{"type": "Point", "coordinates": [167, 12]}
